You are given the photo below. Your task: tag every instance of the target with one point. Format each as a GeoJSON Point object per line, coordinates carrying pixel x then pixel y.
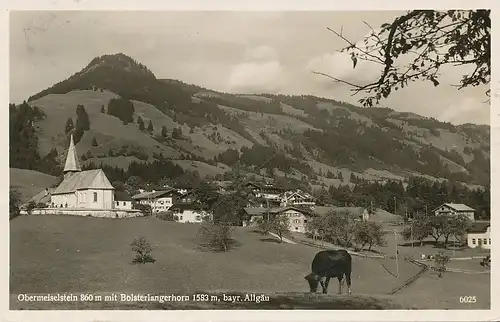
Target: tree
{"type": "Point", "coordinates": [143, 251]}
{"type": "Point", "coordinates": [457, 227]}
{"type": "Point", "coordinates": [335, 227]}
{"type": "Point", "coordinates": [94, 141]}
{"type": "Point", "coordinates": [82, 119]}
{"type": "Point", "coordinates": [420, 229]}
{"type": "Point", "coordinates": [440, 260]}
{"type": "Point", "coordinates": [121, 108]}
{"type": "Point", "coordinates": [438, 226]}
{"type": "Point", "coordinates": [140, 121]}
{"type": "Point", "coordinates": [216, 236]}
{"type": "Point", "coordinates": [429, 40]}
{"type": "Point", "coordinates": [280, 224]}
{"type": "Point", "coordinates": [164, 132]}
{"type": "Point", "coordinates": [264, 225]}
{"type": "Point", "coordinates": [69, 125]}
{"type": "Point", "coordinates": [369, 233]}
{"type": "Point", "coordinates": [14, 203]}
{"type": "Point", "coordinates": [150, 126]}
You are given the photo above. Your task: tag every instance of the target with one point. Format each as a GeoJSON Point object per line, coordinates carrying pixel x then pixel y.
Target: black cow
{"type": "Point", "coordinates": [327, 264]}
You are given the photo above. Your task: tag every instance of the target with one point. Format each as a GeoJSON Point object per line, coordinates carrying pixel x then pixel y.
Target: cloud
{"type": "Point", "coordinates": [256, 77]}
{"type": "Point", "coordinates": [262, 53]}
{"type": "Point", "coordinates": [466, 110]}
{"type": "Point", "coordinates": [340, 65]}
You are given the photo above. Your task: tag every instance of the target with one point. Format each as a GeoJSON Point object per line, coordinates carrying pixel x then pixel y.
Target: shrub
{"type": "Point", "coordinates": [440, 260]}
{"type": "Point", "coordinates": [143, 251]}
{"type": "Point", "coordinates": [216, 236]}
{"type": "Point", "coordinates": [145, 209]}
{"type": "Point", "coordinates": [14, 203]}
{"type": "Point", "coordinates": [166, 215]}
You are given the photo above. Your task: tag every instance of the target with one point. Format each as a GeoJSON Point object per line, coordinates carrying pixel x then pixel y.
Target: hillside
{"type": "Point", "coordinates": [29, 182]}
{"type": "Point", "coordinates": [310, 136]}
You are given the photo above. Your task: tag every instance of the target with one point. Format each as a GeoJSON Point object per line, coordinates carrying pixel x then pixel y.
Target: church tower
{"type": "Point", "coordinates": [72, 165]}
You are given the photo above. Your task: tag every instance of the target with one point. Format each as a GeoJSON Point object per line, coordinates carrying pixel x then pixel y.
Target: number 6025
{"type": "Point", "coordinates": [467, 299]}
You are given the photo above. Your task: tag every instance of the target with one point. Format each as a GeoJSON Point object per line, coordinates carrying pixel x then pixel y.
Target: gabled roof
{"type": "Point", "coordinates": [478, 227]}
{"type": "Point", "coordinates": [155, 194]}
{"type": "Point", "coordinates": [357, 211]}
{"type": "Point", "coordinates": [72, 163]}
{"type": "Point", "coordinates": [91, 179]}
{"type": "Point", "coordinates": [305, 195]}
{"type": "Point", "coordinates": [257, 211]}
{"type": "Point", "coordinates": [41, 197]}
{"type": "Point", "coordinates": [122, 196]}
{"type": "Point", "coordinates": [458, 207]}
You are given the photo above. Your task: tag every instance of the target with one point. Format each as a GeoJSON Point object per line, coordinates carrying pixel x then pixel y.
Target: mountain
{"type": "Point", "coordinates": [319, 140]}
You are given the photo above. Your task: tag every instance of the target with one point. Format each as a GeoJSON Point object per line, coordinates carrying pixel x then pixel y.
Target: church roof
{"type": "Point", "coordinates": [72, 163]}
{"type": "Point", "coordinates": [91, 179]}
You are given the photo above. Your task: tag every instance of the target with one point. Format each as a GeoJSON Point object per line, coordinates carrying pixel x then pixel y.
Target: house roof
{"type": "Point", "coordinates": [305, 195]}
{"type": "Point", "coordinates": [478, 227]}
{"type": "Point", "coordinates": [457, 207]}
{"type": "Point", "coordinates": [122, 196]}
{"type": "Point", "coordinates": [91, 179]}
{"type": "Point", "coordinates": [358, 211]}
{"type": "Point", "coordinates": [41, 197]}
{"type": "Point", "coordinates": [155, 194]}
{"type": "Point", "coordinates": [257, 211]}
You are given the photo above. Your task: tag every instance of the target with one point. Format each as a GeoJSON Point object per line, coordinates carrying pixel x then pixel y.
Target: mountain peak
{"type": "Point", "coordinates": [118, 61]}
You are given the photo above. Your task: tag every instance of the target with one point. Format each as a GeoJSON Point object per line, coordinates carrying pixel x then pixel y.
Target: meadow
{"type": "Point", "coordinates": [66, 254]}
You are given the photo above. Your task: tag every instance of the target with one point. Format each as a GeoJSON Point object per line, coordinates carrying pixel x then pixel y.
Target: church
{"type": "Point", "coordinates": [86, 193]}
{"type": "Point", "coordinates": [82, 189]}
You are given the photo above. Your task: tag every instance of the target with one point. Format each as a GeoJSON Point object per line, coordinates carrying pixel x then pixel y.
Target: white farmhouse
{"type": "Point", "coordinates": [82, 189]}
{"type": "Point", "coordinates": [479, 235]}
{"type": "Point", "coordinates": [454, 209]}
{"type": "Point", "coordinates": [123, 200]}
{"type": "Point", "coordinates": [158, 200]}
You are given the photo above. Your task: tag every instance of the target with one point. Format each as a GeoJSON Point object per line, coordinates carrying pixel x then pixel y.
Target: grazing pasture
{"type": "Point", "coordinates": [58, 254]}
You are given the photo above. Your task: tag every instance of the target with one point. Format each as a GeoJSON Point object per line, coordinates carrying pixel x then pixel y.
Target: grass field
{"type": "Point", "coordinates": [57, 254]}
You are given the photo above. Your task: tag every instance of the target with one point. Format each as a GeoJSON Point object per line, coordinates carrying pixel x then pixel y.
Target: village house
{"type": "Point", "coordinates": [297, 217]}
{"type": "Point", "coordinates": [158, 200]}
{"type": "Point", "coordinates": [479, 235]}
{"type": "Point", "coordinates": [185, 211]}
{"type": "Point", "coordinates": [297, 198]}
{"type": "Point", "coordinates": [455, 209]}
{"type": "Point", "coordinates": [123, 200]}
{"type": "Point", "coordinates": [267, 191]}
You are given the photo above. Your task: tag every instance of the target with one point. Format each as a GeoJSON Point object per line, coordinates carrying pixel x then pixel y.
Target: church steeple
{"type": "Point", "coordinates": [72, 165]}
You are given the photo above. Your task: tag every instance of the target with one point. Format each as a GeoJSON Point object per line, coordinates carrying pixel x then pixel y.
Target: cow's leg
{"type": "Point", "coordinates": [327, 281]}
{"type": "Point", "coordinates": [322, 282]}
{"type": "Point", "coordinates": [340, 284]}
{"type": "Point", "coordinates": [348, 280]}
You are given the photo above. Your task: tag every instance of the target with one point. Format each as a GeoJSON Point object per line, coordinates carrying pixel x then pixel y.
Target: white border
{"type": "Point", "coordinates": [260, 5]}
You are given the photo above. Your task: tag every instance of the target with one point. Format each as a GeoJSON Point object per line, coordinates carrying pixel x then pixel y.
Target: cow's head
{"type": "Point", "coordinates": [313, 281]}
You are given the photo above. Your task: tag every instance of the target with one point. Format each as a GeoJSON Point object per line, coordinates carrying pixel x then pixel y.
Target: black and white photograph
{"type": "Point", "coordinates": [250, 160]}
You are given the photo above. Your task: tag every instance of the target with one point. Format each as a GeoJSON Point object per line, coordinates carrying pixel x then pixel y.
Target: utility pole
{"type": "Point", "coordinates": [395, 210]}
{"type": "Point", "coordinates": [397, 260]}
{"type": "Point", "coordinates": [411, 231]}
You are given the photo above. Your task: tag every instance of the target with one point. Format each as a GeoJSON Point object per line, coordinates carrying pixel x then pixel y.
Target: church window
{"type": "Point", "coordinates": [95, 196]}
{"type": "Point", "coordinates": [124, 203]}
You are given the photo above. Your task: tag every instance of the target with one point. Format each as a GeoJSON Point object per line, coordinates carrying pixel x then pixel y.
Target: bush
{"type": "Point", "coordinates": [143, 251]}
{"type": "Point", "coordinates": [166, 215]}
{"type": "Point", "coordinates": [216, 237]}
{"type": "Point", "coordinates": [145, 209]}
{"type": "Point", "coordinates": [14, 203]}
{"type": "Point", "coordinates": [440, 260]}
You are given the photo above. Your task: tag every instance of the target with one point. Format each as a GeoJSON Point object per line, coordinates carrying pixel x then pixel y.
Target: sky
{"type": "Point", "coordinates": [238, 52]}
